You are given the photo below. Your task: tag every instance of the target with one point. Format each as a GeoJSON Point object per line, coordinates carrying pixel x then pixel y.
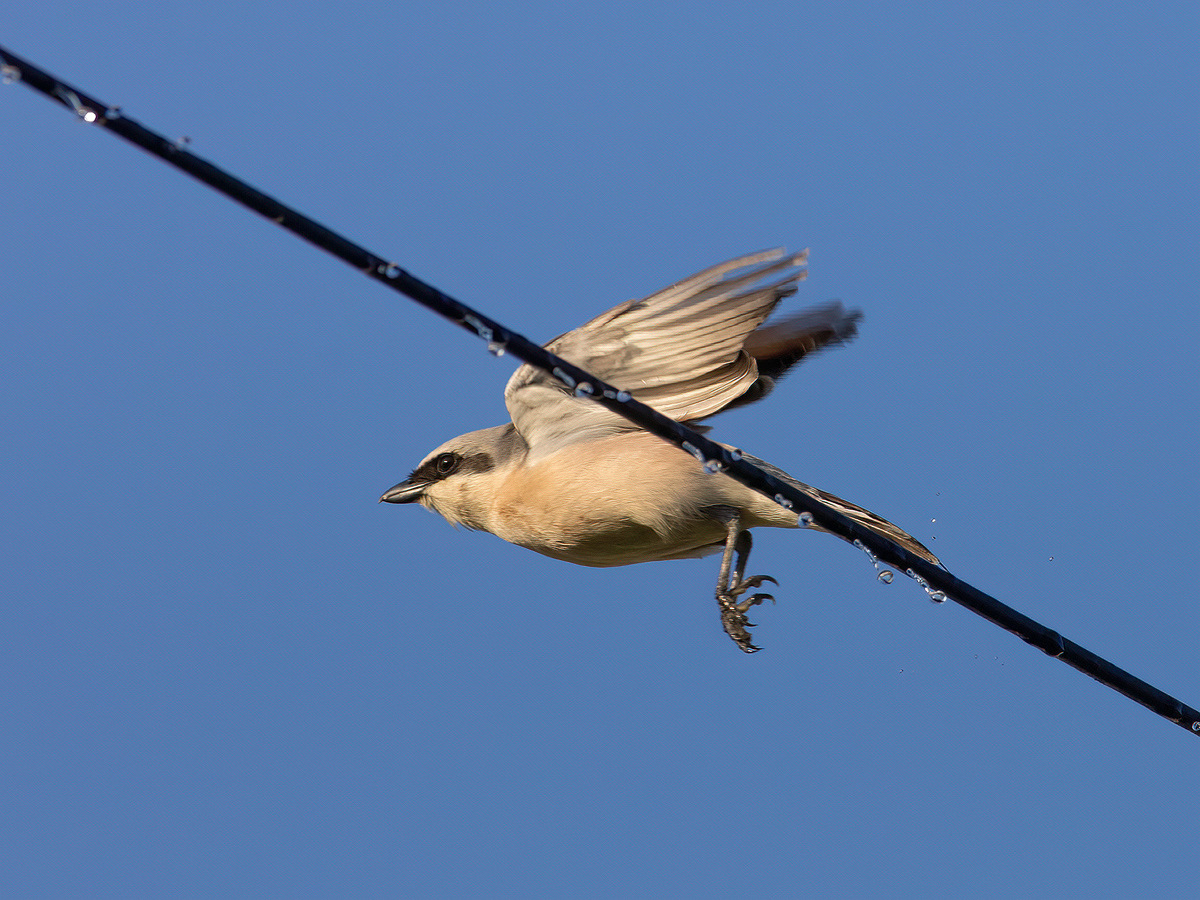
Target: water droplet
{"type": "Point", "coordinates": [584, 389]}
{"type": "Point", "coordinates": [713, 466]}
{"type": "Point", "coordinates": [1196, 726]}
{"type": "Point", "coordinates": [933, 520]}
{"type": "Point", "coordinates": [882, 574]}
{"type": "Point", "coordinates": [623, 396]}
{"type": "Point", "coordinates": [71, 99]}
{"type": "Point", "coordinates": [496, 348]}
{"type": "Point", "coordinates": [563, 377]}
{"type": "Point", "coordinates": [783, 501]}
{"type": "Point", "coordinates": [482, 330]}
{"type": "Point", "coordinates": [935, 595]}
{"type": "Point", "coordinates": [390, 270]}
{"type": "Point", "coordinates": [805, 520]}
{"type": "Point", "coordinates": [10, 74]}
{"type": "Point", "coordinates": [735, 454]}
{"type": "Point", "coordinates": [694, 450]}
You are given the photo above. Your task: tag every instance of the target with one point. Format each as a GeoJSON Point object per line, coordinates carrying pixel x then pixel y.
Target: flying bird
{"type": "Point", "coordinates": [572, 480]}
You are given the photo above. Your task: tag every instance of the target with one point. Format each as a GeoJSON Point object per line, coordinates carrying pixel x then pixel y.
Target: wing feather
{"type": "Point", "coordinates": [681, 350]}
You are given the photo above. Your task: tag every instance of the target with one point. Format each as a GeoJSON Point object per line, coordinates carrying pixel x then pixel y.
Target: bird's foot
{"type": "Point", "coordinates": [733, 613]}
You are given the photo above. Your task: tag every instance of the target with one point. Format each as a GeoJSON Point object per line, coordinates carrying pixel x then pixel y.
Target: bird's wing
{"type": "Point", "coordinates": [681, 351]}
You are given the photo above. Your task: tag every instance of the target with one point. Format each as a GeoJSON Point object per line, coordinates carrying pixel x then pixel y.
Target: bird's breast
{"type": "Point", "coordinates": [623, 499]}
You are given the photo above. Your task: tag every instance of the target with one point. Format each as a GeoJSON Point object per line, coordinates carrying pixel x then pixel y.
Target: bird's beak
{"type": "Point", "coordinates": [405, 492]}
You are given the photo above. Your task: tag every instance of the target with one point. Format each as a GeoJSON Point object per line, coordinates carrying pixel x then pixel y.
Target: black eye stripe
{"type": "Point", "coordinates": [446, 464]}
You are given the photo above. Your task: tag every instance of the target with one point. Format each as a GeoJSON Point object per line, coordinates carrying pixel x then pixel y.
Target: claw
{"type": "Point", "coordinates": [755, 600]}
{"type": "Point", "coordinates": [733, 614]}
{"type": "Point", "coordinates": [732, 584]}
{"type": "Point", "coordinates": [739, 586]}
{"type": "Point", "coordinates": [756, 581]}
{"type": "Point", "coordinates": [735, 623]}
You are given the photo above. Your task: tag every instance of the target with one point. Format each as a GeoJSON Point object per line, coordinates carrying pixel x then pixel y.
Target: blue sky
{"type": "Point", "coordinates": [225, 670]}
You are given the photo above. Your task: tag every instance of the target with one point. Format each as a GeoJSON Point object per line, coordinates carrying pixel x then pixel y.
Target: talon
{"type": "Point", "coordinates": [739, 586]}
{"type": "Point", "coordinates": [745, 605]}
{"type": "Point", "coordinates": [733, 619]}
{"type": "Point", "coordinates": [732, 584]}
{"type": "Point", "coordinates": [756, 581]}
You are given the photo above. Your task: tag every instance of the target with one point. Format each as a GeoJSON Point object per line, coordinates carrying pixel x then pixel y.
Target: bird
{"type": "Point", "coordinates": [572, 480]}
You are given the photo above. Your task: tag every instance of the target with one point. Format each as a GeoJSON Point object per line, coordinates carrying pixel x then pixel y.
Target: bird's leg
{"type": "Point", "coordinates": [732, 583]}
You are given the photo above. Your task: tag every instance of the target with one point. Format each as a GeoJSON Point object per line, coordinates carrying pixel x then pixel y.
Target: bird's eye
{"type": "Point", "coordinates": [446, 463]}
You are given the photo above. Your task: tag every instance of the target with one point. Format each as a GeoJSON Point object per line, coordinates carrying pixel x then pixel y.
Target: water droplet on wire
{"type": "Point", "coordinates": [71, 99]}
{"type": "Point", "coordinates": [882, 574]}
{"type": "Point", "coordinates": [584, 389]}
{"type": "Point", "coordinates": [805, 520]}
{"type": "Point", "coordinates": [694, 450]}
{"type": "Point", "coordinates": [481, 329]}
{"type": "Point", "coordinates": [713, 466]}
{"type": "Point", "coordinates": [496, 348]}
{"type": "Point", "coordinates": [934, 595]}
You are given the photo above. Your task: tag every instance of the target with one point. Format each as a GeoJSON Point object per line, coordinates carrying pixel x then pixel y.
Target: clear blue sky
{"type": "Point", "coordinates": [226, 671]}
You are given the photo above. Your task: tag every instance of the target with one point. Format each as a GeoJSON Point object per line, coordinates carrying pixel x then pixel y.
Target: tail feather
{"type": "Point", "coordinates": [778, 345]}
{"type": "Point", "coordinates": [878, 524]}
{"type": "Point", "coordinates": [864, 517]}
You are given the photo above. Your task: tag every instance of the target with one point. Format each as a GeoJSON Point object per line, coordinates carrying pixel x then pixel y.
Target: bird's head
{"type": "Point", "coordinates": [457, 479]}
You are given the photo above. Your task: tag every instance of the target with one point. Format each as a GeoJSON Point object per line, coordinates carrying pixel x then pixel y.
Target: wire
{"type": "Point", "coordinates": [938, 582]}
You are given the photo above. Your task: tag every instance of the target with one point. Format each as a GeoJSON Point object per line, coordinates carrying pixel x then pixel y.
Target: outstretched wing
{"type": "Point", "coordinates": [681, 350]}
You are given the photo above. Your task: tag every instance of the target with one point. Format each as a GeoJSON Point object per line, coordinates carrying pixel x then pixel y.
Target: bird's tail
{"type": "Point", "coordinates": [868, 519]}
{"type": "Point", "coordinates": [863, 517]}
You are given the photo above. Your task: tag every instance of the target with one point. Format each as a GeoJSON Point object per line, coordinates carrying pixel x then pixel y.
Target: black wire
{"type": "Point", "coordinates": [934, 578]}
